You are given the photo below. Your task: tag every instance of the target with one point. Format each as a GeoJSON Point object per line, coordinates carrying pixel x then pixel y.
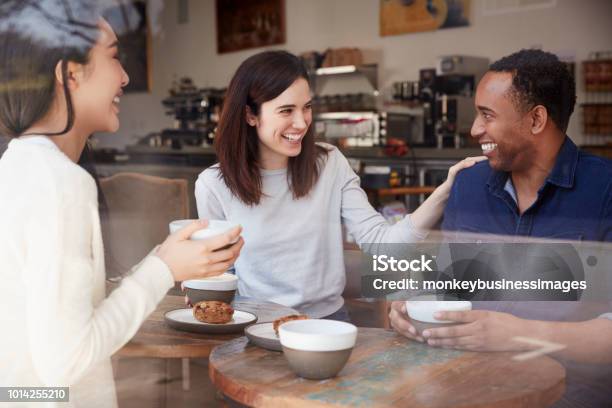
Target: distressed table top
{"type": "Point", "coordinates": [386, 369]}
{"type": "Point", "coordinates": [156, 339]}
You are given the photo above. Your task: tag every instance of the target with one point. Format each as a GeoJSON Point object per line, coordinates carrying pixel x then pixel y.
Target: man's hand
{"type": "Point", "coordinates": [400, 322]}
{"type": "Point", "coordinates": [482, 331]}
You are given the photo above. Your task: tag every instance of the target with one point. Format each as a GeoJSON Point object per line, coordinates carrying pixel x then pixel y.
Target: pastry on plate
{"type": "Point", "coordinates": [213, 311]}
{"type": "Point", "coordinates": [286, 319]}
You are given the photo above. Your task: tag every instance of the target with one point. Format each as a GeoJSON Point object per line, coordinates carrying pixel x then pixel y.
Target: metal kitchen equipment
{"type": "Point", "coordinates": [448, 98]}
{"type": "Point", "coordinates": [350, 129]}
{"type": "Point", "coordinates": [462, 65]}
{"type": "Point", "coordinates": [346, 105]}
{"type": "Point", "coordinates": [195, 113]}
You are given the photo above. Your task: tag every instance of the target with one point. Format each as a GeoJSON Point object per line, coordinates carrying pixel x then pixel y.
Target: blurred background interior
{"type": "Point", "coordinates": [393, 80]}
{"type": "Point", "coordinates": [393, 85]}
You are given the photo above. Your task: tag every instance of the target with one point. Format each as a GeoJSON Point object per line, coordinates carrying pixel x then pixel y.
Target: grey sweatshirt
{"type": "Point", "coordinates": [293, 251]}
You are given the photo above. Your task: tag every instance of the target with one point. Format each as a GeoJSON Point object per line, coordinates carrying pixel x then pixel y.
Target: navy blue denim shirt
{"type": "Point", "coordinates": [574, 203]}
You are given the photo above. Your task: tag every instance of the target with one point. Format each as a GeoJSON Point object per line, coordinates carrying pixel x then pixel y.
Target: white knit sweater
{"type": "Point", "coordinates": [58, 328]}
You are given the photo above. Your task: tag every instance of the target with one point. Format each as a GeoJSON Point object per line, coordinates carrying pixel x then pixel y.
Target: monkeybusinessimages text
{"type": "Point", "coordinates": [385, 264]}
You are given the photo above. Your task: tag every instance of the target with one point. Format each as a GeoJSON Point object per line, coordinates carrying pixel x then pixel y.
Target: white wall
{"type": "Point", "coordinates": [572, 28]}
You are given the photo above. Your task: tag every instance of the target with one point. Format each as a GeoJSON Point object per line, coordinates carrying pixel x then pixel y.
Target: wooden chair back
{"type": "Point", "coordinates": [140, 207]}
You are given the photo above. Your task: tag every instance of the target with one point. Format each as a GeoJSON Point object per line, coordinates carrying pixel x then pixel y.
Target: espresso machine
{"type": "Point", "coordinates": [447, 96]}
{"type": "Point", "coordinates": [195, 112]}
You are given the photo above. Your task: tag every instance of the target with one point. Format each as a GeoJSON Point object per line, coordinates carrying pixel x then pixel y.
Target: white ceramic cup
{"type": "Point", "coordinates": [422, 308]}
{"type": "Point", "coordinates": [317, 349]}
{"type": "Point", "coordinates": [221, 287]}
{"type": "Point", "coordinates": [317, 335]}
{"type": "Point", "coordinates": [226, 281]}
{"type": "Point", "coordinates": [214, 228]}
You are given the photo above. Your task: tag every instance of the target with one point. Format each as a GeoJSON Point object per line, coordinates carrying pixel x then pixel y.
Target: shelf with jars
{"type": "Point", "coordinates": [597, 105]}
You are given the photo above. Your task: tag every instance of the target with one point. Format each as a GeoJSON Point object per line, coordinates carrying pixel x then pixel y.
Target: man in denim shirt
{"type": "Point", "coordinates": [536, 183]}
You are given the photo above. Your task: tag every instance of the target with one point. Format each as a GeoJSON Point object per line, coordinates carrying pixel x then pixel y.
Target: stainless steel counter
{"type": "Point", "coordinates": [421, 153]}
{"type": "Point", "coordinates": [356, 152]}
{"type": "Point", "coordinates": [423, 166]}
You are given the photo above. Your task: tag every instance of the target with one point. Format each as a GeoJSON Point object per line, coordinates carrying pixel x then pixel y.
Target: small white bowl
{"type": "Point", "coordinates": [422, 309]}
{"type": "Point", "coordinates": [222, 287]}
{"type": "Point", "coordinates": [214, 228]}
{"type": "Point", "coordinates": [226, 281]}
{"type": "Point", "coordinates": [317, 349]}
{"type": "Point", "coordinates": [317, 335]}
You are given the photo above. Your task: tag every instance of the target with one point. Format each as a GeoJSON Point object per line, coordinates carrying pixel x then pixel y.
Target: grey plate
{"type": "Point", "coordinates": [263, 335]}
{"type": "Point", "coordinates": [182, 319]}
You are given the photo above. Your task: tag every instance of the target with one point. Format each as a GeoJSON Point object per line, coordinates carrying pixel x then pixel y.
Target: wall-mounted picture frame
{"type": "Point", "coordinates": [249, 24]}
{"type": "Point", "coordinates": [411, 16]}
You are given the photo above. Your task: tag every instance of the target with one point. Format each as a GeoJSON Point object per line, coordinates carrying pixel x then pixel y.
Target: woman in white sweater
{"type": "Point", "coordinates": [58, 327]}
{"type": "Point", "coordinates": [292, 195]}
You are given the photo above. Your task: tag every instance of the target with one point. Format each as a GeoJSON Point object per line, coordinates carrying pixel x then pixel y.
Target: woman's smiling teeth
{"type": "Point", "coordinates": [116, 100]}
{"type": "Point", "coordinates": [488, 147]}
{"type": "Point", "coordinates": [294, 137]}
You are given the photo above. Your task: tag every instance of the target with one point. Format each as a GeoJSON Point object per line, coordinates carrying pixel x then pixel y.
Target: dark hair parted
{"type": "Point", "coordinates": [27, 87]}
{"type": "Point", "coordinates": [27, 80]}
{"type": "Point", "coordinates": [261, 78]}
{"type": "Point", "coordinates": [539, 78]}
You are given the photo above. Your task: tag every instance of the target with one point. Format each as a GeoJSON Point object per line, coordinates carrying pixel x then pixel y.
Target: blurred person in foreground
{"type": "Point", "coordinates": [59, 328]}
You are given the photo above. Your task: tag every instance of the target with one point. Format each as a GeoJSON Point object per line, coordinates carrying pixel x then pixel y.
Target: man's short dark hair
{"type": "Point", "coordinates": [539, 78]}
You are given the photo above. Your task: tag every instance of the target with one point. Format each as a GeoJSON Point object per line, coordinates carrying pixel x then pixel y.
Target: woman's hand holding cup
{"type": "Point", "coordinates": [197, 259]}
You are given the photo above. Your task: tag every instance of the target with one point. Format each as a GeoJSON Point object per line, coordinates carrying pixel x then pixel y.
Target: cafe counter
{"type": "Point", "coordinates": [421, 166]}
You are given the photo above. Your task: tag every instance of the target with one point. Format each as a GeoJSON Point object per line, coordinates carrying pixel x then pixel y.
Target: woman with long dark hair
{"type": "Point", "coordinates": [290, 194]}
{"type": "Point", "coordinates": [59, 328]}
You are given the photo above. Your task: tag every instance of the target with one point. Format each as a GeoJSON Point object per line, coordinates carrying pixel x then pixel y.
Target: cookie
{"type": "Point", "coordinates": [286, 319]}
{"type": "Point", "coordinates": [213, 311]}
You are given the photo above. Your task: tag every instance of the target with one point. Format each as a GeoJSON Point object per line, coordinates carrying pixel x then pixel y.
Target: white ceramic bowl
{"type": "Point", "coordinates": [226, 281]}
{"type": "Point", "coordinates": [423, 308]}
{"type": "Point", "coordinates": [222, 287]}
{"type": "Point", "coordinates": [214, 228]}
{"type": "Point", "coordinates": [317, 349]}
{"type": "Point", "coordinates": [317, 335]}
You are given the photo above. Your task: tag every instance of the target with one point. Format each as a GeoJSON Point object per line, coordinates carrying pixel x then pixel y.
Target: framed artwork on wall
{"type": "Point", "coordinates": [130, 22]}
{"type": "Point", "coordinates": [249, 24]}
{"type": "Point", "coordinates": [410, 16]}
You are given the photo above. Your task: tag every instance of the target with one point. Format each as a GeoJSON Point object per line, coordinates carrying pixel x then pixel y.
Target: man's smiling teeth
{"type": "Point", "coordinates": [487, 147]}
{"type": "Point", "coordinates": [292, 136]}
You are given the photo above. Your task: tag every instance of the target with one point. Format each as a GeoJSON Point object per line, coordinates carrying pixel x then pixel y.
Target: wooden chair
{"type": "Point", "coordinates": [363, 312]}
{"type": "Point", "coordinates": [140, 207]}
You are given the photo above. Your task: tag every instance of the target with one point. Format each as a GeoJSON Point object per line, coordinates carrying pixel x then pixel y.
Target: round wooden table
{"type": "Point", "coordinates": [386, 369]}
{"type": "Point", "coordinates": [156, 339]}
